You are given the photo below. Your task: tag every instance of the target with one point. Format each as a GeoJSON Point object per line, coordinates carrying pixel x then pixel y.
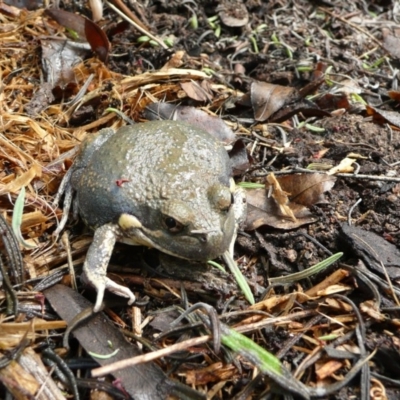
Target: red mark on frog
{"type": "Point", "coordinates": [120, 182]}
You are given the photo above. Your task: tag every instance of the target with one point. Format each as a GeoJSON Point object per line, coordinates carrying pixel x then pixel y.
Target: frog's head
{"type": "Point", "coordinates": [198, 226]}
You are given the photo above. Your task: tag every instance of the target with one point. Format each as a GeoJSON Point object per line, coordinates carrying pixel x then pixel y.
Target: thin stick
{"type": "Point", "coordinates": [354, 26]}
{"type": "Point", "coordinates": [340, 175]}
{"type": "Point", "coordinates": [138, 27]}
{"type": "Point", "coordinates": [110, 368]}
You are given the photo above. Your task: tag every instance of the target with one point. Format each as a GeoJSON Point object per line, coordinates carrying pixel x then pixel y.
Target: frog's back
{"type": "Point", "coordinates": [142, 164]}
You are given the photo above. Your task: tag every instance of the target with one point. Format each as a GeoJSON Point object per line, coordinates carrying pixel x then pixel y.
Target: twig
{"type": "Point", "coordinates": [127, 11]}
{"type": "Point", "coordinates": [110, 368]}
{"type": "Point", "coordinates": [137, 26]}
{"type": "Point", "coordinates": [370, 177]}
{"type": "Point", "coordinates": [352, 209]}
{"type": "Point", "coordinates": [340, 175]}
{"type": "Point", "coordinates": [354, 26]}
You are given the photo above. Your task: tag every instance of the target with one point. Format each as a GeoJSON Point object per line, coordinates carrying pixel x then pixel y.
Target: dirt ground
{"type": "Point", "coordinates": [309, 90]}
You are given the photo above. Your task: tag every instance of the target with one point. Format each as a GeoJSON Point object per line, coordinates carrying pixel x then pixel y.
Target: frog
{"type": "Point", "coordinates": [161, 184]}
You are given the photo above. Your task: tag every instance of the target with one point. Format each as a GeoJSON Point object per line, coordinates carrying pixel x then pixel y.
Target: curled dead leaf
{"type": "Point", "coordinates": [383, 116]}
{"type": "Point", "coordinates": [286, 208]}
{"type": "Point", "coordinates": [263, 210]}
{"type": "Point", "coordinates": [240, 158]}
{"type": "Point", "coordinates": [85, 29]}
{"type": "Point", "coordinates": [267, 98]}
{"type": "Point", "coordinates": [306, 189]}
{"type": "Point", "coordinates": [198, 91]}
{"type": "Point", "coordinates": [213, 125]}
{"type": "Point", "coordinates": [370, 308]}
{"type": "Point", "coordinates": [23, 180]}
{"type": "Point", "coordinates": [391, 43]}
{"type": "Point", "coordinates": [280, 196]}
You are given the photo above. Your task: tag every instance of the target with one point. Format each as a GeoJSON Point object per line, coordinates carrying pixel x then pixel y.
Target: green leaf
{"type": "Point", "coordinates": [266, 362]}
{"type": "Point", "coordinates": [251, 185]}
{"type": "Point", "coordinates": [307, 272]}
{"type": "Point", "coordinates": [240, 279]}
{"type": "Point", "coordinates": [17, 219]}
{"type": "Point", "coordinates": [313, 128]}
{"type": "Point", "coordinates": [104, 356]}
{"type": "Point", "coordinates": [217, 265]}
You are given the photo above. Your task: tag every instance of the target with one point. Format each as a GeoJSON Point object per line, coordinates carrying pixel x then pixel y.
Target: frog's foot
{"type": "Point", "coordinates": [95, 266]}
{"type": "Point", "coordinates": [106, 283]}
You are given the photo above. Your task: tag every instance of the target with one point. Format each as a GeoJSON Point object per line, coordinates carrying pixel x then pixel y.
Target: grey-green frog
{"type": "Point", "coordinates": [161, 184]}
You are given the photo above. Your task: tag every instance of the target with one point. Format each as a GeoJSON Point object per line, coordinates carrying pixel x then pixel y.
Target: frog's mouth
{"type": "Point", "coordinates": [198, 245]}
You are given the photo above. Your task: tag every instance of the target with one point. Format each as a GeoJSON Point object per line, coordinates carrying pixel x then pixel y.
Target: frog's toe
{"type": "Point", "coordinates": [108, 284]}
{"type": "Point", "coordinates": [120, 290]}
{"type": "Point", "coordinates": [100, 296]}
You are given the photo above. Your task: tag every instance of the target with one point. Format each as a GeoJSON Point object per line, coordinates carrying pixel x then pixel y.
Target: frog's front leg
{"type": "Point", "coordinates": [239, 211]}
{"type": "Point", "coordinates": [96, 263]}
{"type": "Point", "coordinates": [71, 181]}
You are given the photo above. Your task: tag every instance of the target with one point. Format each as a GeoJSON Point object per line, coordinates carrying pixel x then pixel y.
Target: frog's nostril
{"type": "Point", "coordinates": [203, 239]}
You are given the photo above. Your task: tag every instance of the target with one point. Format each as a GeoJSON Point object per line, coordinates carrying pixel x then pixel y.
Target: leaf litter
{"type": "Point", "coordinates": [335, 324]}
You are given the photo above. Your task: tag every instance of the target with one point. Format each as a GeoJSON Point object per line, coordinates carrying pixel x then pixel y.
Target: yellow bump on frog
{"type": "Point", "coordinates": [161, 184]}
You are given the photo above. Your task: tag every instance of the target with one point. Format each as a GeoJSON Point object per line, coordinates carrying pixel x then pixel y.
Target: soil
{"type": "Point", "coordinates": [335, 67]}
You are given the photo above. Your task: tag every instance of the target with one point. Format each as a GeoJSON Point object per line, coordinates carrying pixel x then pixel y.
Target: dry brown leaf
{"type": "Point", "coordinates": [324, 369]}
{"type": "Point", "coordinates": [303, 106]}
{"type": "Point", "coordinates": [271, 302]}
{"type": "Point", "coordinates": [86, 30]}
{"type": "Point", "coordinates": [72, 21]}
{"type": "Point", "coordinates": [240, 158]}
{"type": "Point", "coordinates": [214, 373]}
{"type": "Point", "coordinates": [320, 154]}
{"type": "Point", "coordinates": [306, 189]}
{"type": "Point", "coordinates": [47, 140]}
{"type": "Point", "coordinates": [396, 341]}
{"type": "Point", "coordinates": [129, 83]}
{"type": "Point", "coordinates": [276, 300]}
{"type": "Point", "coordinates": [41, 99]}
{"type": "Point", "coordinates": [337, 305]}
{"type": "Point", "coordinates": [23, 180]}
{"type": "Point", "coordinates": [281, 197]}
{"type": "Point", "coordinates": [391, 43]}
{"type": "Point", "coordinates": [197, 91]}
{"type": "Point", "coordinates": [27, 4]}
{"type": "Point", "coordinates": [345, 166]}
{"type": "Point", "coordinates": [333, 289]}
{"type": "Point", "coordinates": [333, 102]}
{"type": "Point", "coordinates": [31, 219]}
{"type": "Point", "coordinates": [311, 88]}
{"type": "Point", "coordinates": [352, 348]}
{"type": "Point", "coordinates": [357, 156]}
{"type": "Point", "coordinates": [394, 94]}
{"type": "Point", "coordinates": [370, 308]}
{"type": "Point", "coordinates": [213, 125]}
{"type": "Point", "coordinates": [58, 59]}
{"type": "Point", "coordinates": [263, 210]}
{"type": "Point", "coordinates": [383, 116]}
{"type": "Point", "coordinates": [266, 98]}
{"type": "Point", "coordinates": [175, 61]}
{"type": "Point", "coordinates": [18, 381]}
{"type": "Point", "coordinates": [10, 9]}
{"type": "Point", "coordinates": [332, 279]}
{"type": "Point", "coordinates": [97, 39]}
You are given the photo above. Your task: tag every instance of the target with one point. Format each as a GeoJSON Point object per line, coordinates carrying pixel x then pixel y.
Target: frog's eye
{"type": "Point", "coordinates": [220, 197]}
{"type": "Point", "coordinates": [226, 206]}
{"type": "Point", "coordinates": [173, 225]}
